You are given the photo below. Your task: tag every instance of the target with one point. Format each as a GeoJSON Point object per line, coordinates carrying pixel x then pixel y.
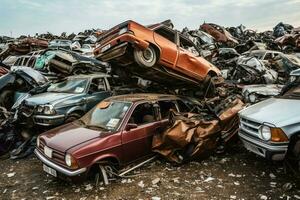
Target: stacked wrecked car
{"type": "Point", "coordinates": [94, 103]}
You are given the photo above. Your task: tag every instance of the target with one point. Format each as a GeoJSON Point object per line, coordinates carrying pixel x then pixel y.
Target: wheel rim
{"type": "Point", "coordinates": [110, 170]}
{"type": "Point", "coordinates": [148, 55]}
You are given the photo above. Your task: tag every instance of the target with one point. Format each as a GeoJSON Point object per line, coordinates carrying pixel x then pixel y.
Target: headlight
{"type": "Point", "coordinates": [70, 161]}
{"type": "Point", "coordinates": [37, 141]}
{"type": "Point", "coordinates": [292, 78]}
{"type": "Point", "coordinates": [265, 132]}
{"type": "Point", "coordinates": [40, 109]}
{"type": "Point", "coordinates": [49, 110]}
{"type": "Point", "coordinates": [123, 30]}
{"type": "Point", "coordinates": [252, 98]}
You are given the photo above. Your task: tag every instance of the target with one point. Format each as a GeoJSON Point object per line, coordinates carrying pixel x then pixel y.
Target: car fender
{"type": "Point", "coordinates": [75, 109]}
{"type": "Point", "coordinates": [104, 157]}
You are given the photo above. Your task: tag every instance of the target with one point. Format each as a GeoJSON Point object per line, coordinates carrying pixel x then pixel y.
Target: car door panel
{"type": "Point", "coordinates": [169, 53]}
{"type": "Point", "coordinates": [134, 142]}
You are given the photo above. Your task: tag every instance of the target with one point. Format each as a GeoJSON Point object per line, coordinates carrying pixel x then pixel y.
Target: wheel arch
{"type": "Point", "coordinates": [77, 110]}
{"type": "Point", "coordinates": [102, 159]}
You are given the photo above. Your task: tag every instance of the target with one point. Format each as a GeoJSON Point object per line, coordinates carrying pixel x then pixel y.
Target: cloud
{"type": "Point", "coordinates": [56, 16]}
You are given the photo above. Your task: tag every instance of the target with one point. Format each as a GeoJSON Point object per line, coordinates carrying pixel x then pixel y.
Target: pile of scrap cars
{"type": "Point", "coordinates": [92, 104]}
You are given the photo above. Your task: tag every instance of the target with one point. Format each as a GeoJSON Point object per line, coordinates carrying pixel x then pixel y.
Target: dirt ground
{"type": "Point", "coordinates": [237, 174]}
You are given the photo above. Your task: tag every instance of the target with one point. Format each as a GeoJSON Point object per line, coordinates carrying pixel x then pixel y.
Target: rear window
{"type": "Point", "coordinates": [166, 34]}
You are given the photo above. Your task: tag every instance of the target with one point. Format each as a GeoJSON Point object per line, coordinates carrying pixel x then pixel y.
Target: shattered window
{"type": "Point", "coordinates": [106, 115]}
{"type": "Point", "coordinates": [182, 106]}
{"type": "Point", "coordinates": [97, 85]}
{"type": "Point", "coordinates": [170, 35]}
{"type": "Point", "coordinates": [142, 114]}
{"type": "Point", "coordinates": [31, 62]}
{"type": "Point", "coordinates": [188, 45]}
{"type": "Point", "coordinates": [165, 107]}
{"type": "Point", "coordinates": [76, 86]}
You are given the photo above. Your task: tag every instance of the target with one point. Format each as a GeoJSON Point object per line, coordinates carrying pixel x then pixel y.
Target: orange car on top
{"type": "Point", "coordinates": [156, 52]}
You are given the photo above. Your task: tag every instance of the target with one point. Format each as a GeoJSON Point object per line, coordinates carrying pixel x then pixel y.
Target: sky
{"type": "Point", "coordinates": [27, 17]}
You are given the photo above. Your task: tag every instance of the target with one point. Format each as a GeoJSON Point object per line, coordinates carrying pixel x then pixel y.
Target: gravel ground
{"type": "Point", "coordinates": [237, 174]}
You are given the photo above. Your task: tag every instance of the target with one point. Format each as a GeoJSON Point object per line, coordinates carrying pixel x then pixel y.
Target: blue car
{"type": "Point", "coordinates": [65, 101]}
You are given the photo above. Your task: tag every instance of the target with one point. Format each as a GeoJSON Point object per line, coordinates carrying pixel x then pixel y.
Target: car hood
{"type": "Point", "coordinates": [68, 136]}
{"type": "Point", "coordinates": [274, 110]}
{"type": "Point", "coordinates": [47, 98]}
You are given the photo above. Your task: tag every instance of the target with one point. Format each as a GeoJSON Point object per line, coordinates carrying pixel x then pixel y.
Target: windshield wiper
{"type": "Point", "coordinates": [97, 126]}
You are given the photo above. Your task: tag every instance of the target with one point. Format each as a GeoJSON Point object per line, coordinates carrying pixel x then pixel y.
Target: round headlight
{"type": "Point", "coordinates": [49, 110]}
{"type": "Point", "coordinates": [292, 78]}
{"type": "Point", "coordinates": [252, 98]}
{"type": "Point", "coordinates": [40, 109]}
{"type": "Point", "coordinates": [68, 160]}
{"type": "Point", "coordinates": [265, 132]}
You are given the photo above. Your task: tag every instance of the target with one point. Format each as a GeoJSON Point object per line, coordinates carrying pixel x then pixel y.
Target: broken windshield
{"type": "Point", "coordinates": [106, 115]}
{"type": "Point", "coordinates": [76, 86]}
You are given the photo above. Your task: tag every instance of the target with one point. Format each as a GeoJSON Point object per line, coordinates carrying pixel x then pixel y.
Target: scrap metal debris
{"type": "Point", "coordinates": [254, 66]}
{"type": "Point", "coordinates": [193, 135]}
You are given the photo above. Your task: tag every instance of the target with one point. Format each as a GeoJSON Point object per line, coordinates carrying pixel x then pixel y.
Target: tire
{"type": "Point", "coordinates": [106, 172]}
{"type": "Point", "coordinates": [6, 99]}
{"type": "Point", "coordinates": [72, 117]}
{"type": "Point", "coordinates": [295, 151]}
{"type": "Point", "coordinates": [145, 58]}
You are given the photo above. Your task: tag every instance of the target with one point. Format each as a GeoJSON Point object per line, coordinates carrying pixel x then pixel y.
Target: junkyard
{"type": "Point", "coordinates": [148, 111]}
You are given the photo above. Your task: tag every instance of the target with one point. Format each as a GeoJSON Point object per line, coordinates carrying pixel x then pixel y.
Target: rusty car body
{"type": "Point", "coordinates": [118, 130]}
{"type": "Point", "coordinates": [162, 54]}
{"type": "Point", "coordinates": [219, 33]}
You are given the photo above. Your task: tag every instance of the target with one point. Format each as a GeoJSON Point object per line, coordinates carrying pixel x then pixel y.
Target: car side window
{"type": "Point", "coordinates": [143, 114]}
{"type": "Point", "coordinates": [97, 85]}
{"type": "Point", "coordinates": [165, 107]}
{"type": "Point", "coordinates": [188, 45]}
{"type": "Point", "coordinates": [166, 33]}
{"type": "Point", "coordinates": [182, 106]}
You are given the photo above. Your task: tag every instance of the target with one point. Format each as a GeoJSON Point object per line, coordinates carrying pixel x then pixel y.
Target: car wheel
{"type": "Point", "coordinates": [72, 117]}
{"type": "Point", "coordinates": [107, 172]}
{"type": "Point", "coordinates": [6, 99]}
{"type": "Point", "coordinates": [296, 154]}
{"type": "Point", "coordinates": [145, 58]}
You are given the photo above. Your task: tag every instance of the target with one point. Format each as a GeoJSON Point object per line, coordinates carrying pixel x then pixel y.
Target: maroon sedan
{"type": "Point", "coordinates": [117, 132]}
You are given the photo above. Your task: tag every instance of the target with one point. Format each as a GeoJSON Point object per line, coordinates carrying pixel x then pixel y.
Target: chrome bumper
{"type": "Point", "coordinates": [45, 117]}
{"type": "Point", "coordinates": [269, 151]}
{"type": "Point", "coordinates": [263, 145]}
{"type": "Point", "coordinates": [57, 167]}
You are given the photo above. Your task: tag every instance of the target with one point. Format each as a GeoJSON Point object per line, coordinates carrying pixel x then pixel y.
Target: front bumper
{"type": "Point", "coordinates": [51, 120]}
{"type": "Point", "coordinates": [269, 151]}
{"type": "Point", "coordinates": [58, 168]}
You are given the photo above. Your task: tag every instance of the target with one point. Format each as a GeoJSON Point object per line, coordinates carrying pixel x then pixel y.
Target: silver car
{"type": "Point", "coordinates": [271, 128]}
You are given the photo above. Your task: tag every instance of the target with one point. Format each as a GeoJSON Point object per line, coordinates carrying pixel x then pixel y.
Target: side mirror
{"type": "Point", "coordinates": [130, 126]}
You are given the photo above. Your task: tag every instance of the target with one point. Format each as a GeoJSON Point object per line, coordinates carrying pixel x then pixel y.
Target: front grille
{"type": "Point", "coordinates": [249, 127]}
{"type": "Point", "coordinates": [57, 156]}
{"type": "Point", "coordinates": [27, 110]}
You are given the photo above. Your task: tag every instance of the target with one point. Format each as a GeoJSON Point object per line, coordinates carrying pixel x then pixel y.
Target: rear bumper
{"type": "Point", "coordinates": [58, 168]}
{"type": "Point", "coordinates": [118, 41]}
{"type": "Point", "coordinates": [272, 152]}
